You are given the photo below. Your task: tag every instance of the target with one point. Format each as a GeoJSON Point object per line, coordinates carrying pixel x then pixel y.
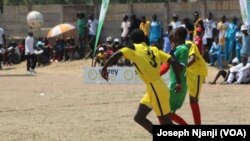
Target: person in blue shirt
{"type": "Point", "coordinates": [230, 39]}
{"type": "Point", "coordinates": [245, 51]}
{"type": "Point", "coordinates": [167, 43]}
{"type": "Point", "coordinates": [155, 31]}
{"type": "Point", "coordinates": [238, 39]}
{"type": "Point", "coordinates": [216, 53]}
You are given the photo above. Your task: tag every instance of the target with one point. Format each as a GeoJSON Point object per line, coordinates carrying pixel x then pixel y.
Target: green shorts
{"type": "Point", "coordinates": [177, 98]}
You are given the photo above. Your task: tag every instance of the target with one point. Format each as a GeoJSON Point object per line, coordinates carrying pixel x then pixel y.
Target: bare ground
{"type": "Point", "coordinates": [56, 105]}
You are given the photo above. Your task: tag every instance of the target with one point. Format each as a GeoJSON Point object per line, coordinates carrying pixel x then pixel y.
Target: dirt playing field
{"type": "Point", "coordinates": [56, 105]}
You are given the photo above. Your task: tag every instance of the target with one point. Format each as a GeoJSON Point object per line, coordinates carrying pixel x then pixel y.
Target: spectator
{"type": "Point", "coordinates": [167, 43]}
{"type": "Point", "coordinates": [230, 40]}
{"type": "Point", "coordinates": [197, 23]}
{"type": "Point", "coordinates": [100, 57]}
{"type": "Point", "coordinates": [29, 52]}
{"type": "Point", "coordinates": [175, 23]}
{"type": "Point", "coordinates": [81, 25]}
{"type": "Point", "coordinates": [210, 33]}
{"type": "Point", "coordinates": [134, 22]}
{"type": "Point", "coordinates": [216, 53]}
{"type": "Point", "coordinates": [245, 51]}
{"type": "Point", "coordinates": [190, 28]}
{"type": "Point", "coordinates": [2, 45]}
{"type": "Point", "coordinates": [238, 41]}
{"type": "Point", "coordinates": [198, 39]}
{"type": "Point", "coordinates": [222, 27]}
{"type": "Point", "coordinates": [21, 47]}
{"type": "Point", "coordinates": [240, 73]}
{"type": "Point", "coordinates": [155, 31]}
{"type": "Point", "coordinates": [125, 26]}
{"type": "Point", "coordinates": [145, 27]}
{"type": "Point", "coordinates": [92, 25]}
{"type": "Point", "coordinates": [58, 50]}
{"type": "Point", "coordinates": [39, 50]}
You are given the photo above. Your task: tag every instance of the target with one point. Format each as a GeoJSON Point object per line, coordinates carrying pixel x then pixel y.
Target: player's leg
{"type": "Point", "coordinates": [141, 117]}
{"type": "Point", "coordinates": [194, 87]}
{"type": "Point", "coordinates": [177, 119]}
{"type": "Point", "coordinates": [222, 73]}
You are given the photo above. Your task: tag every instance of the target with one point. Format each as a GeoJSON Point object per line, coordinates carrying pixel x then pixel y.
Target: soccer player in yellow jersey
{"type": "Point", "coordinates": [196, 73]}
{"type": "Point", "coordinates": [147, 61]}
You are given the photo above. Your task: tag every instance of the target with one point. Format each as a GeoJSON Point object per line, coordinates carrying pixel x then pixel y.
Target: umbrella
{"type": "Point", "coordinates": [60, 29]}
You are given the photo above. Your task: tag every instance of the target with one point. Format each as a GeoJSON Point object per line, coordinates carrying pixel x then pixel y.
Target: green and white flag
{"type": "Point", "coordinates": [245, 11]}
{"type": "Point", "coordinates": [104, 9]}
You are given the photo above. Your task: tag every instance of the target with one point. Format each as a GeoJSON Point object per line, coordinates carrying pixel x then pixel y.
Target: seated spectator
{"type": "Point", "coordinates": [69, 49]}
{"type": "Point", "coordinates": [21, 48]}
{"type": "Point", "coordinates": [240, 73]}
{"type": "Point", "coordinates": [100, 57]}
{"type": "Point", "coordinates": [58, 50]}
{"type": "Point", "coordinates": [216, 53]}
{"type": "Point", "coordinates": [224, 73]}
{"type": "Point", "coordinates": [39, 50]}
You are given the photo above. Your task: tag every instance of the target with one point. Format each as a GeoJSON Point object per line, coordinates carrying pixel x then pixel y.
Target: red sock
{"type": "Point", "coordinates": [196, 113]}
{"type": "Point", "coordinates": [178, 119]}
{"type": "Point", "coordinates": [164, 68]}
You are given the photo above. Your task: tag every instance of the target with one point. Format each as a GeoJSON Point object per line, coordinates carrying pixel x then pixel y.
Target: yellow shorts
{"type": "Point", "coordinates": [194, 83]}
{"type": "Point", "coordinates": [157, 97]}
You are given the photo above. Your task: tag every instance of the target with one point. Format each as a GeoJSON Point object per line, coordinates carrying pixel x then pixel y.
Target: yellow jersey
{"type": "Point", "coordinates": [147, 60]}
{"type": "Point", "coordinates": [199, 67]}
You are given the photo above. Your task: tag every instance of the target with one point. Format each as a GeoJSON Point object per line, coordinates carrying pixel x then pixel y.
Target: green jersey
{"type": "Point", "coordinates": [177, 99]}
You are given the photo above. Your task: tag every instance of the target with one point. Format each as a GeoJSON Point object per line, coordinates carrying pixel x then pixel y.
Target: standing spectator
{"type": "Point", "coordinates": [198, 39]}
{"type": "Point", "coordinates": [166, 38]}
{"type": "Point", "coordinates": [230, 39]}
{"type": "Point", "coordinates": [92, 25]}
{"type": "Point", "coordinates": [222, 27]}
{"type": "Point", "coordinates": [125, 26]}
{"type": "Point", "coordinates": [134, 22]}
{"type": "Point", "coordinates": [175, 23]}
{"type": "Point", "coordinates": [245, 51]}
{"type": "Point", "coordinates": [2, 44]}
{"type": "Point", "coordinates": [155, 31]}
{"type": "Point", "coordinates": [81, 25]}
{"type": "Point", "coordinates": [238, 41]}
{"type": "Point", "coordinates": [190, 28]}
{"type": "Point", "coordinates": [29, 52]}
{"type": "Point", "coordinates": [197, 23]}
{"type": "Point", "coordinates": [145, 27]}
{"type": "Point", "coordinates": [210, 31]}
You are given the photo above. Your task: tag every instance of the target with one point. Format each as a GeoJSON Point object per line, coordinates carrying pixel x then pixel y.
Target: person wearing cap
{"type": "Point", "coordinates": [197, 23]}
{"type": "Point", "coordinates": [175, 23]}
{"type": "Point", "coordinates": [125, 27]}
{"type": "Point", "coordinates": [100, 57]}
{"type": "Point", "coordinates": [147, 61]}
{"type": "Point", "coordinates": [245, 51]}
{"type": "Point", "coordinates": [230, 40]}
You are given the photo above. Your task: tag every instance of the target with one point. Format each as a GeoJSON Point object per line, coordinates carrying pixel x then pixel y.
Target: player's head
{"type": "Point", "coordinates": [137, 36]}
{"type": "Point", "coordinates": [180, 35]}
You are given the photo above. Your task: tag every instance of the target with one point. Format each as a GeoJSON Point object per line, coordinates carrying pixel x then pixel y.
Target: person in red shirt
{"type": "Point", "coordinates": [198, 39]}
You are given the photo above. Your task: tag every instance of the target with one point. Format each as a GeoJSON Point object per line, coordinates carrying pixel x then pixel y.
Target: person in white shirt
{"type": "Point", "coordinates": [240, 73]}
{"type": "Point", "coordinates": [125, 26]}
{"type": "Point", "coordinates": [92, 25]}
{"type": "Point", "coordinates": [2, 44]}
{"type": "Point", "coordinates": [210, 31]}
{"type": "Point", "coordinates": [29, 52]}
{"type": "Point", "coordinates": [175, 23]}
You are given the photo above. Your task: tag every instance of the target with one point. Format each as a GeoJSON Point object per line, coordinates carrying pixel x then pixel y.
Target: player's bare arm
{"type": "Point", "coordinates": [111, 59]}
{"type": "Point", "coordinates": [191, 60]}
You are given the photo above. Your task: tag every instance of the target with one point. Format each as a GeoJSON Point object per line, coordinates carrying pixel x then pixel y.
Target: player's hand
{"type": "Point", "coordinates": [105, 74]}
{"type": "Point", "coordinates": [178, 88]}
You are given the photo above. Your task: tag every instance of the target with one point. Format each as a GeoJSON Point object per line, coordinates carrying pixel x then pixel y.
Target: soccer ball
{"type": "Point", "coordinates": [35, 19]}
